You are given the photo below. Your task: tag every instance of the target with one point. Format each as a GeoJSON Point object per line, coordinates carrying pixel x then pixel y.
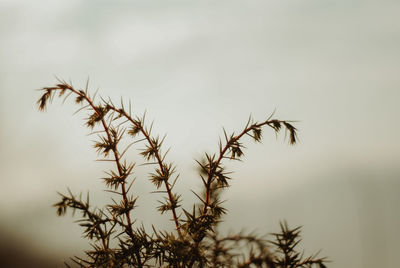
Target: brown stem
{"type": "Point", "coordinates": [159, 161]}
{"type": "Point", "coordinates": [222, 152]}
{"type": "Point", "coordinates": [118, 164]}
{"type": "Point", "coordinates": [120, 172]}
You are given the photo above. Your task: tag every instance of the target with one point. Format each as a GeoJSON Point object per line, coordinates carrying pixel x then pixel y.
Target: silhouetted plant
{"type": "Point", "coordinates": [115, 238]}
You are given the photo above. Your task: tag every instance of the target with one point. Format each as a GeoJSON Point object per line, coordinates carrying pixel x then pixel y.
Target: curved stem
{"type": "Point", "coordinates": [117, 160]}
{"type": "Point", "coordinates": [159, 162]}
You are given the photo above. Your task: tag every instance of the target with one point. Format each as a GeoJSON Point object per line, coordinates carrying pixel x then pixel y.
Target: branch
{"type": "Point", "coordinates": [234, 147]}
{"type": "Point", "coordinates": [111, 140]}
{"type": "Point", "coordinates": [164, 171]}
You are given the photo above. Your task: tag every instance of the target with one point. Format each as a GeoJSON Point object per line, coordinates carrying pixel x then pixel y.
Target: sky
{"type": "Point", "coordinates": [196, 67]}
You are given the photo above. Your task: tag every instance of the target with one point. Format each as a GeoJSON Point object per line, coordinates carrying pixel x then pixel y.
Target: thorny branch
{"type": "Point", "coordinates": [197, 243]}
{"type": "Point", "coordinates": [233, 146]}
{"type": "Point", "coordinates": [109, 143]}
{"type": "Point", "coordinates": [165, 171]}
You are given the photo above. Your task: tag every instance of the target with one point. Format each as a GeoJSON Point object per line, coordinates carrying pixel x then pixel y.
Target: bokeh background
{"type": "Point", "coordinates": [198, 66]}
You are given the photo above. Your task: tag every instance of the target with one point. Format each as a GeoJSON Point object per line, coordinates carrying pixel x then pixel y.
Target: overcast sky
{"type": "Point", "coordinates": [198, 66]}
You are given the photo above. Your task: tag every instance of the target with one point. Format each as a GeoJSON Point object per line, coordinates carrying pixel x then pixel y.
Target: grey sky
{"type": "Point", "coordinates": [197, 66]}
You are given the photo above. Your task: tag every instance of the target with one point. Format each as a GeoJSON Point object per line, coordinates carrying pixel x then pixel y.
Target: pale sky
{"type": "Point", "coordinates": [198, 66]}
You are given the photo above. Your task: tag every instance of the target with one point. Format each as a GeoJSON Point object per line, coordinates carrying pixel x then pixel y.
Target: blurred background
{"type": "Point", "coordinates": [198, 66]}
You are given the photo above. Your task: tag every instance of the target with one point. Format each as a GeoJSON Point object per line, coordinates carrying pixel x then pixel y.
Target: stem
{"type": "Point", "coordinates": [123, 189]}
{"type": "Point", "coordinates": [222, 152]}
{"type": "Point", "coordinates": [159, 161]}
{"type": "Point", "coordinates": [119, 168]}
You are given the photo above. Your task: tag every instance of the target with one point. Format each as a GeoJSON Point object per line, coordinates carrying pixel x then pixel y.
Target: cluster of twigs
{"type": "Point", "coordinates": [118, 242]}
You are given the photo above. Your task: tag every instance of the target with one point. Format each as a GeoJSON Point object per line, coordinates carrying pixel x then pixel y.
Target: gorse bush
{"type": "Point", "coordinates": [118, 241]}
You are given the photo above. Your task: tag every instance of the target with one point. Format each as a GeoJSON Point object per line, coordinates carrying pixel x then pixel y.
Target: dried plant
{"type": "Point", "coordinates": [117, 241]}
